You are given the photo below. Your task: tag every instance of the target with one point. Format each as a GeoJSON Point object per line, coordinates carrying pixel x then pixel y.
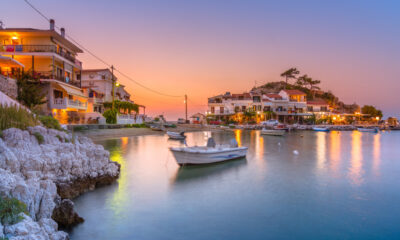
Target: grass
{"type": "Point", "coordinates": [16, 117]}
{"type": "Point", "coordinates": [39, 137]}
{"type": "Point", "coordinates": [50, 122]}
{"type": "Point", "coordinates": [10, 208]}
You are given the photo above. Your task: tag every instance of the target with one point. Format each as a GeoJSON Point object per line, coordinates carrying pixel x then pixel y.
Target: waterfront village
{"type": "Point", "coordinates": [44, 63]}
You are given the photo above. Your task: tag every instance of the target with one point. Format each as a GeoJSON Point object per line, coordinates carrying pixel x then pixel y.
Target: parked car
{"type": "Point", "coordinates": [270, 123]}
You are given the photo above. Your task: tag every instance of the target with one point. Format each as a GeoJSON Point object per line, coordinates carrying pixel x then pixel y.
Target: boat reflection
{"type": "Point", "coordinates": [193, 173]}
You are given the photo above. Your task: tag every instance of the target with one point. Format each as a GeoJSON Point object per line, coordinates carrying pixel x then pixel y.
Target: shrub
{"type": "Point", "coordinates": [66, 140]}
{"type": "Point", "coordinates": [10, 208]}
{"type": "Point", "coordinates": [39, 137]}
{"type": "Point", "coordinates": [50, 122]}
{"type": "Point", "coordinates": [141, 125]}
{"type": "Point", "coordinates": [1, 134]}
{"type": "Point", "coordinates": [111, 116]}
{"type": "Point", "coordinates": [16, 117]}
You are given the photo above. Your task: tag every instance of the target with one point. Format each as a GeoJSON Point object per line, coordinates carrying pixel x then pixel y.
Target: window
{"type": "Point", "coordinates": [237, 109]}
{"type": "Point", "coordinates": [259, 108]}
{"type": "Point", "coordinates": [310, 109]}
{"type": "Point", "coordinates": [222, 109]}
{"type": "Point", "coordinates": [256, 99]}
{"type": "Point", "coordinates": [58, 94]}
{"type": "Point", "coordinates": [324, 109]}
{"type": "Point", "coordinates": [243, 108]}
{"type": "Point", "coordinates": [212, 110]}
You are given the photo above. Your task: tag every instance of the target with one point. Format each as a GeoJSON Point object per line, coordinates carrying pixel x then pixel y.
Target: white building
{"type": "Point", "coordinates": [287, 105]}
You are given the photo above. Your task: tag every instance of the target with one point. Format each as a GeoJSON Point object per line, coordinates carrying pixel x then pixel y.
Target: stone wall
{"type": "Point", "coordinates": [8, 86]}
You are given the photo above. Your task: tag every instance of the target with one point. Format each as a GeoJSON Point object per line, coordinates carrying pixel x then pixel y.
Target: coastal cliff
{"type": "Point", "coordinates": [45, 168]}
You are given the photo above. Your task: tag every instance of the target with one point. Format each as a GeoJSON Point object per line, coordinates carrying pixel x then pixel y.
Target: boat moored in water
{"type": "Point", "coordinates": [176, 135]}
{"type": "Point", "coordinates": [211, 153]}
{"type": "Point", "coordinates": [367, 129]}
{"type": "Point", "coordinates": [321, 129]}
{"type": "Point", "coordinates": [272, 132]}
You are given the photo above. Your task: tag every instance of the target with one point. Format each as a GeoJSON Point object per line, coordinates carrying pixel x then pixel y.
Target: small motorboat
{"type": "Point", "coordinates": [156, 128]}
{"type": "Point", "coordinates": [321, 129]}
{"type": "Point", "coordinates": [211, 153]}
{"type": "Point", "coordinates": [280, 126]}
{"type": "Point", "coordinates": [273, 132]}
{"type": "Point", "coordinates": [366, 129]}
{"type": "Point", "coordinates": [176, 135]}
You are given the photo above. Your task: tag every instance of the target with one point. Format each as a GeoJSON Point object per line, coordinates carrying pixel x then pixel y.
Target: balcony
{"type": "Point", "coordinates": [63, 103]}
{"type": "Point", "coordinates": [95, 100]}
{"type": "Point", "coordinates": [40, 48]}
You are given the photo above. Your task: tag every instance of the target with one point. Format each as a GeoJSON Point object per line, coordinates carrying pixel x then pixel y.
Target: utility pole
{"type": "Point", "coordinates": [113, 86]}
{"type": "Point", "coordinates": [186, 119]}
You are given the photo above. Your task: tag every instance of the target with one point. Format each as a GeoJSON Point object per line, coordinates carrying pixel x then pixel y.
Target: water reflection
{"type": "Point", "coordinates": [355, 171]}
{"type": "Point", "coordinates": [190, 174]}
{"type": "Point", "coordinates": [334, 150]}
{"type": "Point", "coordinates": [377, 154]}
{"type": "Point", "coordinates": [238, 137]}
{"type": "Point", "coordinates": [321, 149]}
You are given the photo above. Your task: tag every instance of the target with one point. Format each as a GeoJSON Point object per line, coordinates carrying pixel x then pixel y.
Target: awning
{"type": "Point", "coordinates": [72, 90]}
{"type": "Point", "coordinates": [9, 62]}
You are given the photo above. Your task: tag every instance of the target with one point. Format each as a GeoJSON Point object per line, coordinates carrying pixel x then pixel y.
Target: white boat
{"type": "Point", "coordinates": [364, 129]}
{"type": "Point", "coordinates": [321, 129]}
{"type": "Point", "coordinates": [156, 128]}
{"type": "Point", "coordinates": [176, 135]}
{"type": "Point", "coordinates": [208, 154]}
{"type": "Point", "coordinates": [272, 132]}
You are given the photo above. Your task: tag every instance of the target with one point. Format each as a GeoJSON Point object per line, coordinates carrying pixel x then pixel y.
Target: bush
{"type": "Point", "coordinates": [39, 137]}
{"type": "Point", "coordinates": [141, 125]}
{"type": "Point", "coordinates": [10, 208]}
{"type": "Point", "coordinates": [111, 116]}
{"type": "Point", "coordinates": [1, 134]}
{"type": "Point", "coordinates": [16, 117]}
{"type": "Point", "coordinates": [66, 140]}
{"type": "Point", "coordinates": [50, 122]}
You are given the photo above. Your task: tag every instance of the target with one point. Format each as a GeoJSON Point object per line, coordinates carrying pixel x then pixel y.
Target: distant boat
{"type": "Point", "coordinates": [321, 129]}
{"type": "Point", "coordinates": [176, 135]}
{"type": "Point", "coordinates": [208, 154]}
{"type": "Point", "coordinates": [273, 132]}
{"type": "Point", "coordinates": [156, 128]}
{"type": "Point", "coordinates": [365, 129]}
{"type": "Point", "coordinates": [280, 126]}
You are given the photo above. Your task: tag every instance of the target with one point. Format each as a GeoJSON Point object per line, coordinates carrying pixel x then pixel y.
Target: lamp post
{"type": "Point", "coordinates": [113, 88]}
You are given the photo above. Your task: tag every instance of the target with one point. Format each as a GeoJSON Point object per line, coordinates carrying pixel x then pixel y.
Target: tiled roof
{"type": "Point", "coordinates": [317, 102]}
{"type": "Point", "coordinates": [294, 92]}
{"type": "Point", "coordinates": [246, 96]}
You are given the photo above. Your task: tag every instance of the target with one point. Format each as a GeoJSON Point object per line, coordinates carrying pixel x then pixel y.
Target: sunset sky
{"type": "Point", "coordinates": [204, 48]}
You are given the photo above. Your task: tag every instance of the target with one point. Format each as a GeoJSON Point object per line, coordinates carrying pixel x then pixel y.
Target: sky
{"type": "Point", "coordinates": [208, 47]}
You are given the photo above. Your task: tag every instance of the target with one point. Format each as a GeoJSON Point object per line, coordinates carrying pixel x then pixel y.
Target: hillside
{"type": "Point", "coordinates": [312, 93]}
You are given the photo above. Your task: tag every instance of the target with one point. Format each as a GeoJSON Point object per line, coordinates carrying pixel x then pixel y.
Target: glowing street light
{"type": "Point", "coordinates": [377, 118]}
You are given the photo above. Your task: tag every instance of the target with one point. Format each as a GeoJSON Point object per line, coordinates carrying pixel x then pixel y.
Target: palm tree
{"type": "Point", "coordinates": [290, 74]}
{"type": "Point", "coordinates": [302, 80]}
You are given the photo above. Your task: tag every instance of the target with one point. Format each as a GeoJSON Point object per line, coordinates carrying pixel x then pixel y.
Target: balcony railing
{"type": "Point", "coordinates": [63, 103]}
{"type": "Point", "coordinates": [40, 48]}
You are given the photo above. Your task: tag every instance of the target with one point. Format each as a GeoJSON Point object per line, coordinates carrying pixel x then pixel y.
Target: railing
{"type": "Point", "coordinates": [95, 100]}
{"type": "Point", "coordinates": [62, 103]}
{"type": "Point", "coordinates": [77, 103]}
{"type": "Point", "coordinates": [40, 48]}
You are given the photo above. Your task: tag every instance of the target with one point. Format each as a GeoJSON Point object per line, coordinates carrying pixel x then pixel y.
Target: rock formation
{"type": "Point", "coordinates": [42, 175]}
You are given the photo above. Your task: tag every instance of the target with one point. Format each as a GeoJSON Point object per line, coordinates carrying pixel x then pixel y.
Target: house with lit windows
{"type": "Point", "coordinates": [50, 57]}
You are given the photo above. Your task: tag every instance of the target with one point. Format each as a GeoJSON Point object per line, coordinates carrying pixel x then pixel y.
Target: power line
{"type": "Point", "coordinates": [100, 59]}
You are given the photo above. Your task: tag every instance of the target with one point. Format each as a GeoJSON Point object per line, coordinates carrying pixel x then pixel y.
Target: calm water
{"type": "Point", "coordinates": [342, 185]}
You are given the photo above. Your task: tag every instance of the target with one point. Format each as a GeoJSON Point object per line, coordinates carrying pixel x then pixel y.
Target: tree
{"type": "Point", "coordinates": [290, 74]}
{"type": "Point", "coordinates": [30, 93]}
{"type": "Point", "coordinates": [372, 111]}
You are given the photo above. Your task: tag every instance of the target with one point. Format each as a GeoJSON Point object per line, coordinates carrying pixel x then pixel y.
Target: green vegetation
{"type": "Point", "coordinates": [141, 125]}
{"type": "Point", "coordinates": [1, 134]}
{"type": "Point", "coordinates": [123, 106]}
{"type": "Point", "coordinates": [79, 128]}
{"type": "Point", "coordinates": [50, 122]}
{"type": "Point", "coordinates": [16, 117]}
{"type": "Point", "coordinates": [29, 92]}
{"type": "Point", "coordinates": [372, 111]}
{"type": "Point", "coordinates": [39, 137]}
{"type": "Point", "coordinates": [291, 73]}
{"type": "Point", "coordinates": [66, 140]}
{"type": "Point", "coordinates": [111, 116]}
{"type": "Point", "coordinates": [10, 208]}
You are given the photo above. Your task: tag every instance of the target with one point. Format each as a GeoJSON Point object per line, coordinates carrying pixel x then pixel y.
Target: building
{"type": "Point", "coordinates": [198, 118]}
{"type": "Point", "coordinates": [318, 107]}
{"type": "Point", "coordinates": [287, 106]}
{"type": "Point", "coordinates": [50, 57]}
{"type": "Point", "coordinates": [98, 85]}
{"type": "Point", "coordinates": [8, 84]}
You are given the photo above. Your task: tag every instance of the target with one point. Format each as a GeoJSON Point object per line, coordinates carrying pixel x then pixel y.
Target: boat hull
{"type": "Point", "coordinates": [273, 132]}
{"type": "Point", "coordinates": [183, 157]}
{"type": "Point", "coordinates": [373, 130]}
{"type": "Point", "coordinates": [176, 136]}
{"type": "Point", "coordinates": [321, 129]}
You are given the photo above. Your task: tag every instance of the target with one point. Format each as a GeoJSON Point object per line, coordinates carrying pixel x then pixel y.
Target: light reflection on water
{"type": "Point", "coordinates": [337, 179]}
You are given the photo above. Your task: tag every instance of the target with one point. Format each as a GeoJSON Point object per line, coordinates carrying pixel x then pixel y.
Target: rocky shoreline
{"type": "Point", "coordinates": [45, 169]}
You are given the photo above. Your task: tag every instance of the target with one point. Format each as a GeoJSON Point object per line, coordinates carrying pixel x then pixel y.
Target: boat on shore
{"type": "Point", "coordinates": [368, 129]}
{"type": "Point", "coordinates": [321, 129]}
{"type": "Point", "coordinates": [156, 128]}
{"type": "Point", "coordinates": [211, 153]}
{"type": "Point", "coordinates": [176, 135]}
{"type": "Point", "coordinates": [273, 132]}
